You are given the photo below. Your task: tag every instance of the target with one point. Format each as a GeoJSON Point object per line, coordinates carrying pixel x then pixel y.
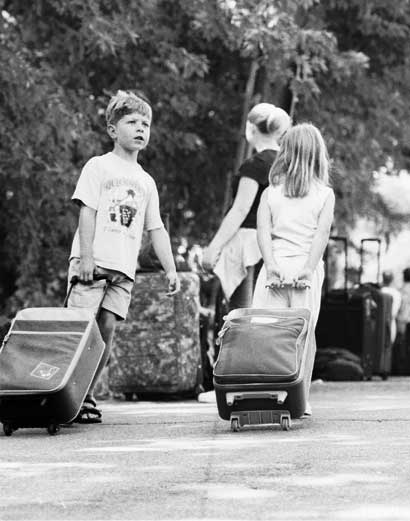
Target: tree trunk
{"type": "Point", "coordinates": [242, 144]}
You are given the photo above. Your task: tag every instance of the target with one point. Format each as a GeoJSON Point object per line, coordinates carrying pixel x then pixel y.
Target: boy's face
{"type": "Point", "coordinates": [131, 132]}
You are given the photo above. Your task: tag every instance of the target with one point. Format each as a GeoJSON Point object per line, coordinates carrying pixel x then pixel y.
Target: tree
{"type": "Point", "coordinates": [340, 64]}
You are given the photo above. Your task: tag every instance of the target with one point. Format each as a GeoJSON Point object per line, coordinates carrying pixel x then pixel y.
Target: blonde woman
{"type": "Point", "coordinates": [233, 252]}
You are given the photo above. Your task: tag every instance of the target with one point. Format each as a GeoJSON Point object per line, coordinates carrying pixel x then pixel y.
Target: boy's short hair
{"type": "Point", "coordinates": [124, 103]}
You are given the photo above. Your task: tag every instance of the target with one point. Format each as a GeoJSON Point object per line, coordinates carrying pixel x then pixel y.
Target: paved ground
{"type": "Point", "coordinates": [178, 460]}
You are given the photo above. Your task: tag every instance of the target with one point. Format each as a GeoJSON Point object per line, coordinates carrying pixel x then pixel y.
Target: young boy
{"type": "Point", "coordinates": [117, 200]}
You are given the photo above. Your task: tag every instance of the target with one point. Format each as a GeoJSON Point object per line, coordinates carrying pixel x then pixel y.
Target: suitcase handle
{"type": "Point", "coordinates": [304, 284]}
{"type": "Point", "coordinates": [75, 279]}
{"type": "Point", "coordinates": [379, 247]}
{"type": "Point", "coordinates": [336, 238]}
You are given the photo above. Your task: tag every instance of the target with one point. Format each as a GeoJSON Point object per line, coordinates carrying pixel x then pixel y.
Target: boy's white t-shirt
{"type": "Point", "coordinates": [125, 198]}
{"type": "Point", "coordinates": [295, 219]}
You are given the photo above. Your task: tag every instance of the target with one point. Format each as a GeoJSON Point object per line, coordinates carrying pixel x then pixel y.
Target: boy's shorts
{"type": "Point", "coordinates": [117, 298]}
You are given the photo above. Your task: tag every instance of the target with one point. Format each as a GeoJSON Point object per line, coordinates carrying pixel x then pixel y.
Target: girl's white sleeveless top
{"type": "Point", "coordinates": [295, 219]}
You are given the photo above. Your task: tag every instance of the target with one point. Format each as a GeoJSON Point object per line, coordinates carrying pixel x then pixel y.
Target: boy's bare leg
{"type": "Point", "coordinates": [106, 323]}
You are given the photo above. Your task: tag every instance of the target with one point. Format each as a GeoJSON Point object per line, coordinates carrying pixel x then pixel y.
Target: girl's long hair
{"type": "Point", "coordinates": [302, 158]}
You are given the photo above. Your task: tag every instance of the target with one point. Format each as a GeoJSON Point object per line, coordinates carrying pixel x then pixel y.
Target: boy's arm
{"type": "Point", "coordinates": [86, 230]}
{"type": "Point", "coordinates": [320, 239]}
{"type": "Point", "coordinates": [264, 230]}
{"type": "Point", "coordinates": [162, 247]}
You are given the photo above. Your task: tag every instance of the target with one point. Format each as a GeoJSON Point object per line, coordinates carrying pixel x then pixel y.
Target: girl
{"type": "Point", "coordinates": [233, 252]}
{"type": "Point", "coordinates": [294, 220]}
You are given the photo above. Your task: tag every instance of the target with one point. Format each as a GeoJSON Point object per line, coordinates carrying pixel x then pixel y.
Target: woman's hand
{"type": "Point", "coordinates": [210, 258]}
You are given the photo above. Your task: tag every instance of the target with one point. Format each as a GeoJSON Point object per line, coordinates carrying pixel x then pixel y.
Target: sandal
{"type": "Point", "coordinates": [88, 412]}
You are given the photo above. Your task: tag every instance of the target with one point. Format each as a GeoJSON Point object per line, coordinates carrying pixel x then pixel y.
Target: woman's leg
{"type": "Point", "coordinates": [242, 296]}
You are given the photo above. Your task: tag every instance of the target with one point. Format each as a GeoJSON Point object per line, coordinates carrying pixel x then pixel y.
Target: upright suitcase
{"type": "Point", "coordinates": [382, 349]}
{"type": "Point", "coordinates": [47, 363]}
{"type": "Point", "coordinates": [263, 371]}
{"type": "Point", "coordinates": [357, 319]}
{"type": "Point", "coordinates": [348, 318]}
{"type": "Point", "coordinates": [157, 351]}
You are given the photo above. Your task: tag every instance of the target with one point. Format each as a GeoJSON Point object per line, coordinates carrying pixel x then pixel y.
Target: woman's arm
{"type": "Point", "coordinates": [320, 239]}
{"type": "Point", "coordinates": [245, 196]}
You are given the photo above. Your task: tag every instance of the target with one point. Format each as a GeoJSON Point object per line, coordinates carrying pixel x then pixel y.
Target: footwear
{"type": "Point", "coordinates": [308, 411]}
{"type": "Point", "coordinates": [207, 397]}
{"type": "Point", "coordinates": [88, 412]}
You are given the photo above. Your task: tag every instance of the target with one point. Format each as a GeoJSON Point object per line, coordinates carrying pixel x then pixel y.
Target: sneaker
{"type": "Point", "coordinates": [208, 397]}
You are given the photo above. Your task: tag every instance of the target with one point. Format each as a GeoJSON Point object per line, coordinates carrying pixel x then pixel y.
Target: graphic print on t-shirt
{"type": "Point", "coordinates": [124, 204]}
{"type": "Point", "coordinates": [123, 210]}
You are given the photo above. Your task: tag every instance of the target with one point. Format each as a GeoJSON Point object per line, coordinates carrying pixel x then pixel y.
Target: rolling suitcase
{"type": "Point", "coordinates": [262, 374]}
{"type": "Point", "coordinates": [48, 360]}
{"type": "Point", "coordinates": [348, 318]}
{"type": "Point", "coordinates": [382, 349]}
{"type": "Point", "coordinates": [157, 351]}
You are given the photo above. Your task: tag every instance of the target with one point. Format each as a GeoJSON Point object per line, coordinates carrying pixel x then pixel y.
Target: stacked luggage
{"type": "Point", "coordinates": [358, 319]}
{"type": "Point", "coordinates": [264, 367]}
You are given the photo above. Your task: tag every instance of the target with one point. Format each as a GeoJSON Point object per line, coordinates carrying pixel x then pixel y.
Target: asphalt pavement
{"type": "Point", "coordinates": [177, 460]}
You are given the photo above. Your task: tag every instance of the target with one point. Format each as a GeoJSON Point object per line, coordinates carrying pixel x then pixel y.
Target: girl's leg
{"type": "Point", "coordinates": [310, 298]}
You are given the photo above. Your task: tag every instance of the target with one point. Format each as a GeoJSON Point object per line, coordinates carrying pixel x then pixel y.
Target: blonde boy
{"type": "Point", "coordinates": [118, 199]}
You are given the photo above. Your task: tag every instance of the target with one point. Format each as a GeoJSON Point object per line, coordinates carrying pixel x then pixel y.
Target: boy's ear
{"type": "Point", "coordinates": [111, 130]}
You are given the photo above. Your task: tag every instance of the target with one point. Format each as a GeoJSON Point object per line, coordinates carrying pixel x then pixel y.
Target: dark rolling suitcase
{"type": "Point", "coordinates": [347, 317]}
{"type": "Point", "coordinates": [262, 374]}
{"type": "Point", "coordinates": [157, 351]}
{"type": "Point", "coordinates": [382, 349]}
{"type": "Point", "coordinates": [357, 319]}
{"type": "Point", "coordinates": [47, 363]}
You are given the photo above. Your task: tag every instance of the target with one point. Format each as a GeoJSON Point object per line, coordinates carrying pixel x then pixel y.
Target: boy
{"type": "Point", "coordinates": [117, 200]}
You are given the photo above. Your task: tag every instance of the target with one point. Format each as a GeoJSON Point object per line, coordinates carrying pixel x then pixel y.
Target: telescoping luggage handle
{"type": "Point", "coordinates": [97, 276]}
{"type": "Point", "coordinates": [379, 247]}
{"type": "Point", "coordinates": [343, 240]}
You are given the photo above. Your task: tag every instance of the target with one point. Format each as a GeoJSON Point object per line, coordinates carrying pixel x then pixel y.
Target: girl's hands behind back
{"type": "Point", "coordinates": [274, 277]}
{"type": "Point", "coordinates": [303, 278]}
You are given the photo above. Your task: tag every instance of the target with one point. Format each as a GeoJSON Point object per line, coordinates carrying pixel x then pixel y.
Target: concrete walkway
{"type": "Point", "coordinates": [178, 460]}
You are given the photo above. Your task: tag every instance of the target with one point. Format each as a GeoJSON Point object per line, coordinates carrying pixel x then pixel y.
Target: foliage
{"type": "Point", "coordinates": [343, 65]}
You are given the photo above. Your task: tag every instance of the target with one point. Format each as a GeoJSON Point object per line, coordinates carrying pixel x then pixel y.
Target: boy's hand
{"type": "Point", "coordinates": [87, 267]}
{"type": "Point", "coordinates": [174, 284]}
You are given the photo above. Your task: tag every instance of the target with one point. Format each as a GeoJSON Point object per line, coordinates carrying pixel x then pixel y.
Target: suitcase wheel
{"type": "Point", "coordinates": [285, 423]}
{"type": "Point", "coordinates": [235, 427]}
{"type": "Point", "coordinates": [53, 428]}
{"type": "Point", "coordinates": [8, 429]}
